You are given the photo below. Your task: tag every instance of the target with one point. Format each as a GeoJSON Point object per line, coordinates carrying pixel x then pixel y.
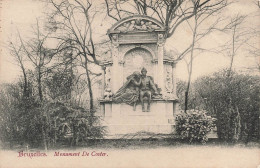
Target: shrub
{"type": "Point", "coordinates": [72, 122]}
{"type": "Point", "coordinates": [194, 125]}
{"type": "Point", "coordinates": [234, 101]}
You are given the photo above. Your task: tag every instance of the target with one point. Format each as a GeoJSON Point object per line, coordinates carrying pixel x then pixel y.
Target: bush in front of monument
{"type": "Point", "coordinates": [194, 125]}
{"type": "Point", "coordinates": [72, 125]}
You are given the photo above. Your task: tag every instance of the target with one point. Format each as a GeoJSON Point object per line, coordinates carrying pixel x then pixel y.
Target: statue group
{"type": "Point", "coordinates": [137, 88]}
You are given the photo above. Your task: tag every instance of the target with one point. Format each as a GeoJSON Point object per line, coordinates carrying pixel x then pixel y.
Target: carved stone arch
{"type": "Point", "coordinates": [123, 24]}
{"type": "Point", "coordinates": [139, 46]}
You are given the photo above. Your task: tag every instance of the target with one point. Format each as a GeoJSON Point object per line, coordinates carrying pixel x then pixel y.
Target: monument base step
{"type": "Point", "coordinates": [133, 129]}
{"type": "Point", "coordinates": [140, 135]}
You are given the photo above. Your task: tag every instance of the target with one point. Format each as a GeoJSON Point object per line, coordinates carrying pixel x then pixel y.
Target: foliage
{"type": "Point", "coordinates": [234, 100]}
{"type": "Point", "coordinates": [180, 90]}
{"type": "Point", "coordinates": [194, 125]}
{"type": "Point", "coordinates": [8, 97]}
{"type": "Point", "coordinates": [59, 84]}
{"type": "Point", "coordinates": [193, 102]}
{"type": "Point", "coordinates": [229, 125]}
{"type": "Point", "coordinates": [72, 122]}
{"type": "Point", "coordinates": [20, 116]}
{"type": "Point", "coordinates": [231, 99]}
{"type": "Point", "coordinates": [28, 121]}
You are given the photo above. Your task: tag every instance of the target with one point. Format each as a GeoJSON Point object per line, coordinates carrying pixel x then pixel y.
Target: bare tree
{"type": "Point", "coordinates": [238, 34]}
{"type": "Point", "coordinates": [191, 58]}
{"type": "Point", "coordinates": [239, 38]}
{"type": "Point", "coordinates": [38, 54]}
{"type": "Point", "coordinates": [199, 32]}
{"type": "Point", "coordinates": [16, 50]}
{"type": "Point", "coordinates": [73, 22]}
{"type": "Point", "coordinates": [254, 52]}
{"type": "Point", "coordinates": [171, 13]}
{"type": "Point", "coordinates": [253, 44]}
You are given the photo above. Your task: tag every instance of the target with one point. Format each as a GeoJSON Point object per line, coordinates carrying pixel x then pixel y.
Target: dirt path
{"type": "Point", "coordinates": [182, 157]}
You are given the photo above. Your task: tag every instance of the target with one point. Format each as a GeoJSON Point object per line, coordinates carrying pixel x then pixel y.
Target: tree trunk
{"type": "Point", "coordinates": [44, 137]}
{"type": "Point", "coordinates": [186, 100]}
{"type": "Point", "coordinates": [55, 132]}
{"type": "Point", "coordinates": [191, 63]}
{"type": "Point", "coordinates": [40, 84]}
{"type": "Point", "coordinates": [233, 51]}
{"type": "Point", "coordinates": [25, 88]}
{"type": "Point", "coordinates": [91, 100]}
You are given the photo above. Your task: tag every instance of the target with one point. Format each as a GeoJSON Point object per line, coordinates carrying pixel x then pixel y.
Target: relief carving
{"type": "Point", "coordinates": [168, 81]}
{"type": "Point", "coordinates": [138, 24]}
{"type": "Point", "coordinates": [161, 40]}
{"type": "Point", "coordinates": [107, 93]}
{"type": "Point", "coordinates": [115, 38]}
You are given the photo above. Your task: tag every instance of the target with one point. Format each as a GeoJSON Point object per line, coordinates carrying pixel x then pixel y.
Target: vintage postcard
{"type": "Point", "coordinates": [129, 83]}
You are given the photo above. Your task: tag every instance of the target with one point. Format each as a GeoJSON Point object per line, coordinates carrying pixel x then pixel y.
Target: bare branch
{"type": "Point", "coordinates": [108, 11]}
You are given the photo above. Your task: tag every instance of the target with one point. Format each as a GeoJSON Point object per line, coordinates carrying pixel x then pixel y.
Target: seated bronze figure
{"type": "Point", "coordinates": [129, 92]}
{"type": "Point", "coordinates": [137, 87]}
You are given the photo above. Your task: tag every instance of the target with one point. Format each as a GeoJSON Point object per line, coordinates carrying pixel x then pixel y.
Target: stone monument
{"type": "Point", "coordinates": [138, 79]}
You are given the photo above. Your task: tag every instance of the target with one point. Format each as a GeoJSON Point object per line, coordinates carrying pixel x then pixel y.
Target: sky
{"type": "Point", "coordinates": [20, 15]}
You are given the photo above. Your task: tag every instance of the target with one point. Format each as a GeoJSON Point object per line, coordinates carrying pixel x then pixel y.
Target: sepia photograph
{"type": "Point", "coordinates": [130, 83]}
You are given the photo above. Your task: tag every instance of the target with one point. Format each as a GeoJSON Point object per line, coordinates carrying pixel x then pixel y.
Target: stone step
{"type": "Point", "coordinates": [139, 120]}
{"type": "Point", "coordinates": [130, 129]}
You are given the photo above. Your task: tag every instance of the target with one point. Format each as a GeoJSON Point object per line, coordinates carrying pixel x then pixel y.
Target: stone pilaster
{"type": "Point", "coordinates": [103, 81]}
{"type": "Point", "coordinates": [115, 67]}
{"type": "Point", "coordinates": [155, 71]}
{"type": "Point", "coordinates": [121, 73]}
{"type": "Point", "coordinates": [174, 82]}
{"type": "Point", "coordinates": [160, 67]}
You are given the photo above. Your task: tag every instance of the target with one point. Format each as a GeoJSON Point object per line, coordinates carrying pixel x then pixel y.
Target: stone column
{"type": "Point", "coordinates": [174, 82]}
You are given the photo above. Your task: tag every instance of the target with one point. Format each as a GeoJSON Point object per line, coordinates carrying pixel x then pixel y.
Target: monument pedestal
{"type": "Point", "coordinates": [121, 119]}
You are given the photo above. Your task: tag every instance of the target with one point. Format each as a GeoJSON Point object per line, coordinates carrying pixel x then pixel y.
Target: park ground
{"type": "Point", "coordinates": [143, 154]}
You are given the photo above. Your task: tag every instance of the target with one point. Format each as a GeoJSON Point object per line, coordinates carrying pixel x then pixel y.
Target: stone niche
{"type": "Point", "coordinates": [135, 59]}
{"type": "Point", "coordinates": [137, 42]}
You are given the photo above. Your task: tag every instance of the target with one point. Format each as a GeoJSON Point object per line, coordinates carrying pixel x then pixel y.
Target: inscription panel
{"type": "Point", "coordinates": [138, 38]}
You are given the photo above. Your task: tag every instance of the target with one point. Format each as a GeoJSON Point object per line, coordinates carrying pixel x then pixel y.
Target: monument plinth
{"type": "Point", "coordinates": [139, 79]}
